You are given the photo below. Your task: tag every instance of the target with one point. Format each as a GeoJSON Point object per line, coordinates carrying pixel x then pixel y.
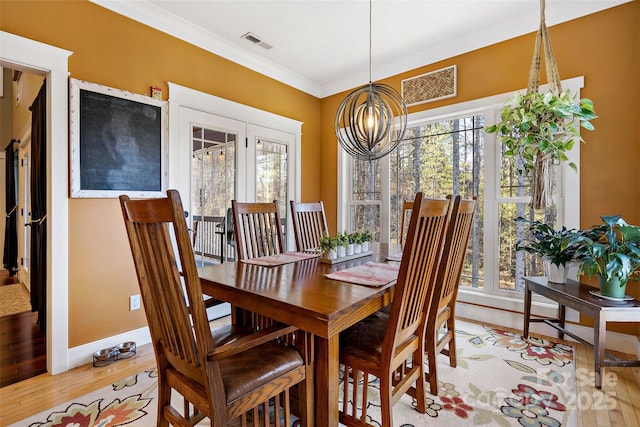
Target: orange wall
{"type": "Point", "coordinates": [114, 51]}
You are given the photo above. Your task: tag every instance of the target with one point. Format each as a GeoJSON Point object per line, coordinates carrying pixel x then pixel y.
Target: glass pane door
{"type": "Point", "coordinates": [273, 154]}
{"type": "Point", "coordinates": [271, 176]}
{"type": "Point", "coordinates": [213, 174]}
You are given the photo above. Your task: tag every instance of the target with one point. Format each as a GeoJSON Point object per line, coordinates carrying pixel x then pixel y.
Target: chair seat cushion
{"type": "Point", "coordinates": [364, 339]}
{"type": "Point", "coordinates": [229, 333]}
{"type": "Point", "coordinates": [256, 367]}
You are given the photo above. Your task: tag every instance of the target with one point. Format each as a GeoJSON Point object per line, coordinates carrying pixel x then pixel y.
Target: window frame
{"type": "Point", "coordinates": [567, 195]}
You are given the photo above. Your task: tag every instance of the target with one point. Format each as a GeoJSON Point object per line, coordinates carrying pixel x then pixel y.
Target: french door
{"type": "Point", "coordinates": [231, 159]}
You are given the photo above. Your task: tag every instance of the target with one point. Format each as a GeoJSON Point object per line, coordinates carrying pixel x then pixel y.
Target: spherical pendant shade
{"type": "Point", "coordinates": [371, 121]}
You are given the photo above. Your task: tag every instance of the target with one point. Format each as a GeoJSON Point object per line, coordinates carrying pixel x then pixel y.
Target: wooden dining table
{"type": "Point", "coordinates": [300, 295]}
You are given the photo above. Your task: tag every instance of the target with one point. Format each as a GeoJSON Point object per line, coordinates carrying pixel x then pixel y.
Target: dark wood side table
{"type": "Point", "coordinates": [576, 295]}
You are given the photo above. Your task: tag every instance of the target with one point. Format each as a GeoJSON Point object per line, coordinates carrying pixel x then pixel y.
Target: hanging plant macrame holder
{"type": "Point", "coordinates": [542, 176]}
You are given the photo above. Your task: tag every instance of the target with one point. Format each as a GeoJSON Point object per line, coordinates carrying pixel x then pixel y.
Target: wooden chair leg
{"type": "Point", "coordinates": [164, 399]}
{"type": "Point", "coordinates": [386, 400]}
{"type": "Point", "coordinates": [451, 326]}
{"type": "Point", "coordinates": [421, 392]}
{"type": "Point", "coordinates": [430, 348]}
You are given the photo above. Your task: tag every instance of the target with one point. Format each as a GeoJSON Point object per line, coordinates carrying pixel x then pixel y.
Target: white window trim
{"type": "Point", "coordinates": [567, 178]}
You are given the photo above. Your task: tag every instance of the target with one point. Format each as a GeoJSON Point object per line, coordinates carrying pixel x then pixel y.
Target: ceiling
{"type": "Point", "coordinates": [322, 46]}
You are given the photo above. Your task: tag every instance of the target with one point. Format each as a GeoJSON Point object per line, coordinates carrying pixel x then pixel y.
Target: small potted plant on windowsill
{"type": "Point", "coordinates": [611, 251]}
{"type": "Point", "coordinates": [365, 238]}
{"type": "Point", "coordinates": [356, 239]}
{"type": "Point", "coordinates": [328, 247]}
{"type": "Point", "coordinates": [556, 247]}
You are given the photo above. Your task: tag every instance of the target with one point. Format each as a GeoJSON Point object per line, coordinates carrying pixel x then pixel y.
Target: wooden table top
{"type": "Point", "coordinates": [298, 293]}
{"type": "Point", "coordinates": [580, 293]}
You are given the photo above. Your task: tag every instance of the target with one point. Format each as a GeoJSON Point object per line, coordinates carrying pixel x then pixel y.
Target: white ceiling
{"type": "Point", "coordinates": [322, 46]}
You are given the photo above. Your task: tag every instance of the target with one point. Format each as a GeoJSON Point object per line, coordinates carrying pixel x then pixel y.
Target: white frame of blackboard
{"type": "Point", "coordinates": [75, 118]}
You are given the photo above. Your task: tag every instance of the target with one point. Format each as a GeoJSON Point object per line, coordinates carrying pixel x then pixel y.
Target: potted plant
{"type": "Point", "coordinates": [356, 239]}
{"type": "Point", "coordinates": [328, 247]}
{"type": "Point", "coordinates": [341, 245]}
{"type": "Point", "coordinates": [348, 243]}
{"type": "Point", "coordinates": [538, 130]}
{"type": "Point", "coordinates": [556, 247]}
{"type": "Point", "coordinates": [365, 237]}
{"type": "Point", "coordinates": [611, 251]}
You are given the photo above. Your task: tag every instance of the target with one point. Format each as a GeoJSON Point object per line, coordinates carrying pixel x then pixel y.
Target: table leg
{"type": "Point", "coordinates": [599, 340]}
{"type": "Point", "coordinates": [527, 310]}
{"type": "Point", "coordinates": [562, 314]}
{"type": "Point", "coordinates": [327, 378]}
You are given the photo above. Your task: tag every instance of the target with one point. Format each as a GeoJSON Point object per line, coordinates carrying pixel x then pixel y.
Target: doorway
{"type": "Point", "coordinates": [228, 150]}
{"type": "Point", "coordinates": [52, 62]}
{"type": "Point", "coordinates": [23, 353]}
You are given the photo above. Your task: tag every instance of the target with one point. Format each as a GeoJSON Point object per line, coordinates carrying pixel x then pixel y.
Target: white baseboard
{"type": "Point", "coordinates": [83, 354]}
{"type": "Point", "coordinates": [616, 341]}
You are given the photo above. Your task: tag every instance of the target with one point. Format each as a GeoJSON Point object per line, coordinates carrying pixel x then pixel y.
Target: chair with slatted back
{"type": "Point", "coordinates": [407, 206]}
{"type": "Point", "coordinates": [309, 224]}
{"type": "Point", "coordinates": [385, 343]}
{"type": "Point", "coordinates": [440, 325]}
{"type": "Point", "coordinates": [231, 372]}
{"type": "Point", "coordinates": [258, 229]}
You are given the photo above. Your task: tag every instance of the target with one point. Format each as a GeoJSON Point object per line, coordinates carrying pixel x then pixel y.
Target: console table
{"type": "Point", "coordinates": [576, 295]}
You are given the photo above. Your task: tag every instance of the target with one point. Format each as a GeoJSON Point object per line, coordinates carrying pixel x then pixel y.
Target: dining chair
{"type": "Point", "coordinates": [387, 343]}
{"type": "Point", "coordinates": [226, 373]}
{"type": "Point", "coordinates": [309, 224]}
{"type": "Point", "coordinates": [258, 229]}
{"type": "Point", "coordinates": [440, 325]}
{"type": "Point", "coordinates": [407, 206]}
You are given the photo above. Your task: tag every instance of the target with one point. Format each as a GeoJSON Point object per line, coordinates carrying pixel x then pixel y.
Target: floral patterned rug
{"type": "Point", "coordinates": [501, 380]}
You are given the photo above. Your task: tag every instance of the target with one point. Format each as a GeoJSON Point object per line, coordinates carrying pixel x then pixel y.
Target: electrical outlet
{"type": "Point", "coordinates": [134, 302]}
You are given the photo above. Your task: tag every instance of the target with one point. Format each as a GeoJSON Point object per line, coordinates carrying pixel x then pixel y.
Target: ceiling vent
{"type": "Point", "coordinates": [256, 40]}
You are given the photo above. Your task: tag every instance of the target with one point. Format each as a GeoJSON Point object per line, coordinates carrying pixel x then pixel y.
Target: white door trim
{"type": "Point", "coordinates": [28, 55]}
{"type": "Point", "coordinates": [181, 96]}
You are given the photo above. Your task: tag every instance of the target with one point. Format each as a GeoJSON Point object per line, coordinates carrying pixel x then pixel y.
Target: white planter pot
{"type": "Point", "coordinates": [365, 247]}
{"type": "Point", "coordinates": [350, 249]}
{"type": "Point", "coordinates": [341, 251]}
{"type": "Point", "coordinates": [555, 273]}
{"type": "Point", "coordinates": [357, 248]}
{"type": "Point", "coordinates": [331, 254]}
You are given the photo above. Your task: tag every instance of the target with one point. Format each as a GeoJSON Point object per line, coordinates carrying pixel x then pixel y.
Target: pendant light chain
{"type": "Point", "coordinates": [370, 38]}
{"type": "Point", "coordinates": [372, 120]}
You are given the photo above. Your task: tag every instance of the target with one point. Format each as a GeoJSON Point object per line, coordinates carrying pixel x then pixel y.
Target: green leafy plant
{"type": "Point", "coordinates": [557, 246]}
{"type": "Point", "coordinates": [365, 236]}
{"type": "Point", "coordinates": [327, 243]}
{"type": "Point", "coordinates": [611, 250]}
{"type": "Point", "coordinates": [355, 237]}
{"type": "Point", "coordinates": [537, 124]}
{"type": "Point", "coordinates": [343, 239]}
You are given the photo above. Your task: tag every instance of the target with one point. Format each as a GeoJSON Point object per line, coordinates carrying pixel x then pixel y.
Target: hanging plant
{"type": "Point", "coordinates": [542, 125]}
{"type": "Point", "coordinates": [539, 129]}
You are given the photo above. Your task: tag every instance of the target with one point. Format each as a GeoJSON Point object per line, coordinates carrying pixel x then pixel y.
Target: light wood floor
{"type": "Point", "coordinates": [616, 404]}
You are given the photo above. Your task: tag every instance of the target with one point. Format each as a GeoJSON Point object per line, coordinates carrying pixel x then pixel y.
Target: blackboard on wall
{"type": "Point", "coordinates": [118, 142]}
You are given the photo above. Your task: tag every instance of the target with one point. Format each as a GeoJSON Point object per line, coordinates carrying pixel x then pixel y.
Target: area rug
{"type": "Point", "coordinates": [501, 380]}
{"type": "Point", "coordinates": [14, 299]}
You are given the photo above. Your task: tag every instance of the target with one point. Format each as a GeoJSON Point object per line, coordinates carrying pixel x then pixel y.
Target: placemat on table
{"type": "Point", "coordinates": [395, 257]}
{"type": "Point", "coordinates": [280, 259]}
{"type": "Point", "coordinates": [369, 274]}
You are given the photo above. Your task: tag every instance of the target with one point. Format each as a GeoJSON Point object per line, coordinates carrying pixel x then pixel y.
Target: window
{"type": "Point", "coordinates": [446, 151]}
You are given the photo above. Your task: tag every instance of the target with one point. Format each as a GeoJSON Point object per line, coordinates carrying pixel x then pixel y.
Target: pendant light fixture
{"type": "Point", "coordinates": [372, 120]}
